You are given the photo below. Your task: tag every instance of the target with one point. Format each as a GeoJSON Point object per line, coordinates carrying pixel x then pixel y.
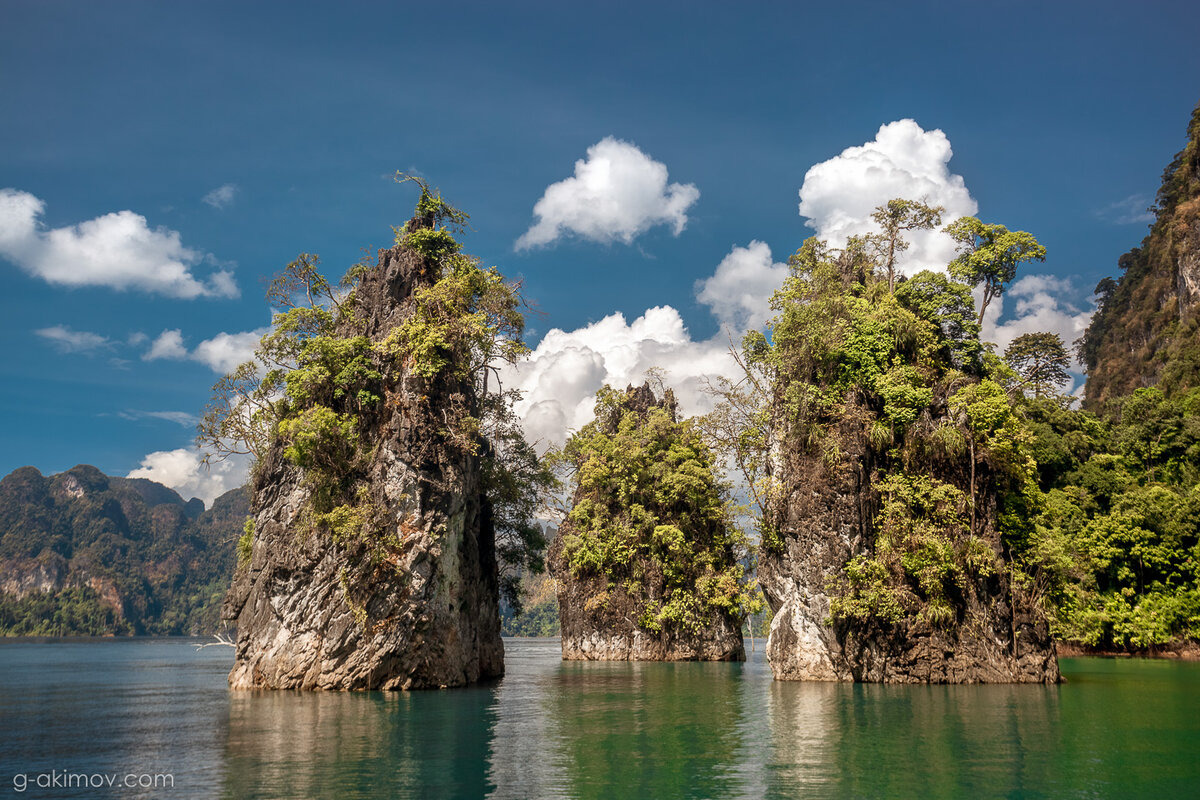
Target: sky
{"type": "Point", "coordinates": [644, 168]}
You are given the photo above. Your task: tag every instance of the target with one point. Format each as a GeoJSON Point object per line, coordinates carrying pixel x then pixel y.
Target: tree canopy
{"type": "Point", "coordinates": [1041, 361]}
{"type": "Point", "coordinates": [988, 256]}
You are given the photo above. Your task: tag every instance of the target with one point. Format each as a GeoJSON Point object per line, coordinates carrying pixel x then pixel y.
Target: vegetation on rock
{"type": "Point", "coordinates": [897, 378]}
{"type": "Point", "coordinates": [651, 527]}
{"type": "Point", "coordinates": [320, 388]}
{"type": "Point", "coordinates": [83, 553]}
{"type": "Point", "coordinates": [1146, 329]}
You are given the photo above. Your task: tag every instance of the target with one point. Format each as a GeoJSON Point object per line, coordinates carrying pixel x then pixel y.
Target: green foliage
{"type": "Point", "coordinates": [245, 543]}
{"type": "Point", "coordinates": [321, 441]}
{"type": "Point", "coordinates": [989, 255]}
{"type": "Point", "coordinates": [75, 611]}
{"type": "Point", "coordinates": [1118, 520]}
{"type": "Point", "coordinates": [867, 593]}
{"type": "Point", "coordinates": [317, 388]}
{"type": "Point", "coordinates": [330, 369]}
{"type": "Point", "coordinates": [433, 244]}
{"type": "Point", "coordinates": [466, 320]}
{"type": "Point", "coordinates": [1041, 360]}
{"type": "Point", "coordinates": [949, 306]}
{"type": "Point", "coordinates": [651, 515]}
{"type": "Point", "coordinates": [431, 208]}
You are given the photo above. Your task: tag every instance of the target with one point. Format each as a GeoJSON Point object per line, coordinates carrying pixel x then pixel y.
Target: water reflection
{"type": "Point", "coordinates": [658, 730]}
{"type": "Point", "coordinates": [356, 745]}
{"type": "Point", "coordinates": [1118, 728]}
{"type": "Point", "coordinates": [585, 730]}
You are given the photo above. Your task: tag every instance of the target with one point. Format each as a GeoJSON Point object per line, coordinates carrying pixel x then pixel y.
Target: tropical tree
{"type": "Point", "coordinates": [1041, 361]}
{"type": "Point", "coordinates": [894, 218]}
{"type": "Point", "coordinates": [988, 256]}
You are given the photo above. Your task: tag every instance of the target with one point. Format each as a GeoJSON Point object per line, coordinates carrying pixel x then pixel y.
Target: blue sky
{"type": "Point", "coordinates": [1061, 117]}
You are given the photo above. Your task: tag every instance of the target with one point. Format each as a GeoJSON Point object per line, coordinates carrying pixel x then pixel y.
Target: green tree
{"type": "Point", "coordinates": [651, 516]}
{"type": "Point", "coordinates": [988, 256]}
{"type": "Point", "coordinates": [948, 305]}
{"type": "Point", "coordinates": [1041, 361]}
{"type": "Point", "coordinates": [895, 218]}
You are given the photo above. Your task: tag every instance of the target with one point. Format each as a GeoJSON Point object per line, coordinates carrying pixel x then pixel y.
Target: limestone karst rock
{"type": "Point", "coordinates": [1147, 321]}
{"type": "Point", "coordinates": [998, 635]}
{"type": "Point", "coordinates": [646, 563]}
{"type": "Point", "coordinates": [895, 473]}
{"type": "Point", "coordinates": [401, 590]}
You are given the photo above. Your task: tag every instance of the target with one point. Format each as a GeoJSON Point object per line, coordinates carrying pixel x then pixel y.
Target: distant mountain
{"type": "Point", "coordinates": [1146, 329]}
{"type": "Point", "coordinates": [85, 553]}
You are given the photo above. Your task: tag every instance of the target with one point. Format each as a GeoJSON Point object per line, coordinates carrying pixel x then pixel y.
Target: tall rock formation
{"type": "Point", "coordinates": [893, 471]}
{"type": "Point", "coordinates": [1146, 329]}
{"type": "Point", "coordinates": [378, 572]}
{"type": "Point", "coordinates": [646, 563]}
{"type": "Point", "coordinates": [993, 635]}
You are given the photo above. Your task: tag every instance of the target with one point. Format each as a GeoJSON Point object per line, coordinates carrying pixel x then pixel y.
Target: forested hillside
{"type": "Point", "coordinates": [85, 553]}
{"type": "Point", "coordinates": [1144, 332]}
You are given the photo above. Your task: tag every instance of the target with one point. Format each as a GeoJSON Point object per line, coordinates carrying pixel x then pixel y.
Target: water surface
{"type": "Point", "coordinates": [1118, 728]}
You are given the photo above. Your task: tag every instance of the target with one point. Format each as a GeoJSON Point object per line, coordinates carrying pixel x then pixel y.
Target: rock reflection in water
{"type": "Point", "coordinates": [866, 740]}
{"type": "Point", "coordinates": [655, 729]}
{"type": "Point", "coordinates": [432, 744]}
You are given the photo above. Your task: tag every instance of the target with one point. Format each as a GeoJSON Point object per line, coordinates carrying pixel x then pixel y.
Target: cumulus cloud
{"type": "Point", "coordinates": [903, 160]}
{"type": "Point", "coordinates": [168, 344]}
{"type": "Point", "coordinates": [185, 472]}
{"type": "Point", "coordinates": [222, 353]}
{"type": "Point", "coordinates": [66, 340]}
{"type": "Point", "coordinates": [739, 292]}
{"type": "Point", "coordinates": [221, 196]}
{"type": "Point", "coordinates": [562, 375]}
{"type": "Point", "coordinates": [225, 351]}
{"type": "Point", "coordinates": [1036, 304]}
{"type": "Point", "coordinates": [617, 193]}
{"type": "Point", "coordinates": [117, 250]}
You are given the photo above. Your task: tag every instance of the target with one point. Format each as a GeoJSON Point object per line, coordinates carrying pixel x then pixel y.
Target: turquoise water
{"type": "Point", "coordinates": [1118, 728]}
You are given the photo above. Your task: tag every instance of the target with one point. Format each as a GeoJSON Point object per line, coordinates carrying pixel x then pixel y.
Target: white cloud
{"type": "Point", "coordinates": [66, 340]}
{"type": "Point", "coordinates": [562, 375]}
{"type": "Point", "coordinates": [117, 250]}
{"type": "Point", "coordinates": [1130, 211]}
{"type": "Point", "coordinates": [184, 471]}
{"type": "Point", "coordinates": [617, 193]}
{"type": "Point", "coordinates": [222, 353]}
{"type": "Point", "coordinates": [905, 161]}
{"type": "Point", "coordinates": [221, 196]}
{"type": "Point", "coordinates": [168, 344]}
{"type": "Point", "coordinates": [1036, 304]}
{"type": "Point", "coordinates": [739, 292]}
{"type": "Point", "coordinates": [226, 351]}
{"type": "Point", "coordinates": [178, 417]}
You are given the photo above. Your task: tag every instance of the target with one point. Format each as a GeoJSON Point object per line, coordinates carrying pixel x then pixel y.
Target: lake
{"type": "Point", "coordinates": [128, 710]}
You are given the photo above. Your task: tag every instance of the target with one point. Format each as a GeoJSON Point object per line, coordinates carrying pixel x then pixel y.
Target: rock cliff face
{"type": "Point", "coordinates": [631, 589]}
{"type": "Point", "coordinates": [1146, 329]}
{"type": "Point", "coordinates": [828, 513]}
{"type": "Point", "coordinates": [894, 479]}
{"type": "Point", "coordinates": [411, 604]}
